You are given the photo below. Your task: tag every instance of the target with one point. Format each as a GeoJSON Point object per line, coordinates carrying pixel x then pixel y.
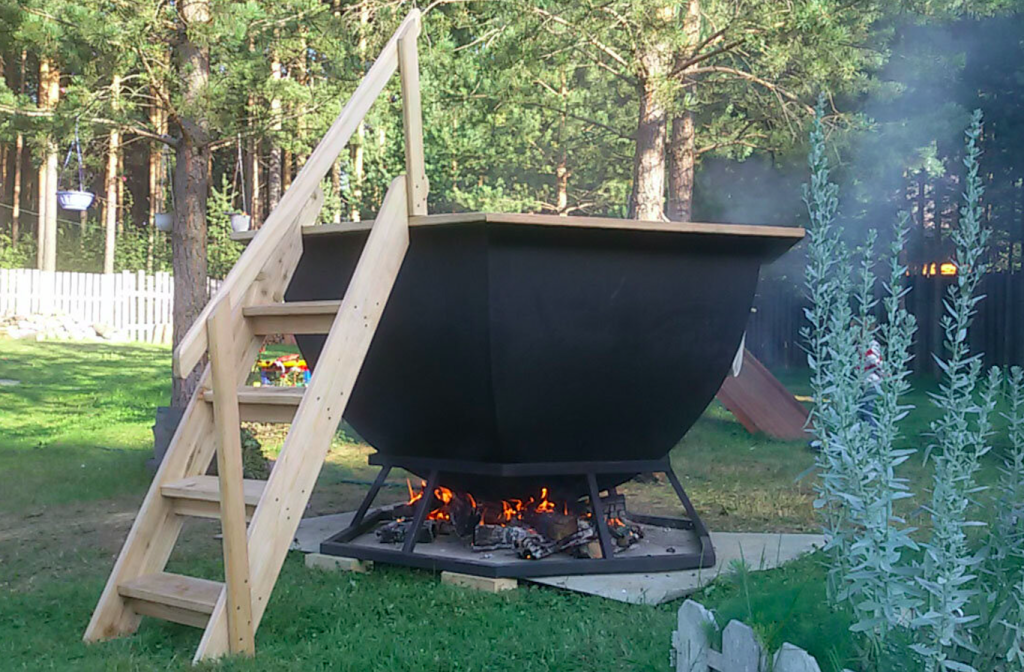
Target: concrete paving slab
{"type": "Point", "coordinates": [312, 531]}
{"type": "Point", "coordinates": [760, 551]}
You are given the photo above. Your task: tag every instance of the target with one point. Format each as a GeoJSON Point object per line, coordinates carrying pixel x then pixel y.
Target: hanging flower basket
{"type": "Point", "coordinates": [239, 221]}
{"type": "Point", "coordinates": [75, 200]}
{"type": "Point", "coordinates": [164, 221]}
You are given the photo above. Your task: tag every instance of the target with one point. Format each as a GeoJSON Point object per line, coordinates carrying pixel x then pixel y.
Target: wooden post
{"type": "Point", "coordinates": [229, 473]}
{"type": "Point", "coordinates": [412, 119]}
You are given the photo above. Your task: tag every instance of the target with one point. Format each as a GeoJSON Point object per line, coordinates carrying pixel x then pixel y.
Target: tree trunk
{"type": "Point", "coordinates": [358, 148]}
{"type": "Point", "coordinates": [682, 156]}
{"type": "Point", "coordinates": [562, 168]}
{"type": "Point", "coordinates": [286, 170]}
{"type": "Point", "coordinates": [42, 200]}
{"type": "Point", "coordinates": [649, 162]}
{"type": "Point", "coordinates": [681, 160]}
{"type": "Point", "coordinates": [110, 211]}
{"type": "Point", "coordinates": [191, 184]}
{"type": "Point", "coordinates": [52, 84]}
{"type": "Point", "coordinates": [255, 203]}
{"type": "Point", "coordinates": [274, 166]}
{"type": "Point", "coordinates": [336, 189]}
{"type": "Point", "coordinates": [158, 120]}
{"type": "Point", "coordinates": [19, 146]}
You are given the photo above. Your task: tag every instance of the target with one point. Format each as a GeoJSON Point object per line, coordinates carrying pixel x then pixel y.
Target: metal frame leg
{"type": "Point", "coordinates": [603, 535]}
{"type": "Point", "coordinates": [370, 496]}
{"type": "Point", "coordinates": [421, 512]}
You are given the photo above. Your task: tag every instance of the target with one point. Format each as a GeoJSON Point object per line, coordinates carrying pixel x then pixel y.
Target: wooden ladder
{"type": "Point", "coordinates": [248, 306]}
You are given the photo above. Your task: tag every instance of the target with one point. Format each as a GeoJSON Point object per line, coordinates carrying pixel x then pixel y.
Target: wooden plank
{"type": "Point", "coordinates": [482, 583]}
{"type": "Point", "coordinates": [197, 508]}
{"type": "Point", "coordinates": [301, 317]}
{"type": "Point", "coordinates": [207, 489]}
{"type": "Point", "coordinates": [298, 465]}
{"type": "Point", "coordinates": [168, 613]}
{"type": "Point", "coordinates": [194, 343]}
{"type": "Point", "coordinates": [788, 235]}
{"type": "Point", "coordinates": [174, 590]}
{"type": "Point", "coordinates": [412, 121]}
{"type": "Point", "coordinates": [761, 403]}
{"type": "Point", "coordinates": [266, 404]}
{"type": "Point", "coordinates": [223, 367]}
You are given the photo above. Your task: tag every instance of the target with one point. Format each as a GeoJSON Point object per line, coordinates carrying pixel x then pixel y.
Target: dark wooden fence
{"type": "Point", "coordinates": [773, 333]}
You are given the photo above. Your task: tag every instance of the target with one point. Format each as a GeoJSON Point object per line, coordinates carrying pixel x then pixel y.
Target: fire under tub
{"type": "Point", "coordinates": [526, 351]}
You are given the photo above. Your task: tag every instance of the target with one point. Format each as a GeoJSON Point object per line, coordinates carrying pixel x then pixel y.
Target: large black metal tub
{"type": "Point", "coordinates": [506, 341]}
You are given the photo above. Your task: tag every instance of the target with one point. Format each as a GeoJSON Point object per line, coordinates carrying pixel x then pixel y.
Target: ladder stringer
{"type": "Point", "coordinates": [157, 526]}
{"type": "Point", "coordinates": [291, 481]}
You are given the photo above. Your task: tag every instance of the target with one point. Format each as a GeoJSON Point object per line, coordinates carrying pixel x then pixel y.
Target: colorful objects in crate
{"type": "Point", "coordinates": [285, 370]}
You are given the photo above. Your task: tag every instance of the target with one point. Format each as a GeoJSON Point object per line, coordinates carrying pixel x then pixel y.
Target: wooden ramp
{"type": "Point", "coordinates": [761, 403]}
{"type": "Point", "coordinates": [259, 518]}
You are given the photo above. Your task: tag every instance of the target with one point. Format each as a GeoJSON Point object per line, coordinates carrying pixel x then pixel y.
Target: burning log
{"type": "Point", "coordinates": [554, 526]}
{"type": "Point", "coordinates": [463, 514]}
{"type": "Point", "coordinates": [497, 537]}
{"type": "Point", "coordinates": [535, 547]}
{"type": "Point", "coordinates": [396, 531]}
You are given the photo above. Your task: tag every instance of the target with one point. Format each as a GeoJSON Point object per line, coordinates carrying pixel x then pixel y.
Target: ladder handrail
{"type": "Point", "coordinates": [195, 343]}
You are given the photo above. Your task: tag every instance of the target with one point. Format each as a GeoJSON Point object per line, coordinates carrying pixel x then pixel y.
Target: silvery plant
{"type": "Point", "coordinates": [828, 288]}
{"type": "Point", "coordinates": [962, 433]}
{"type": "Point", "coordinates": [1002, 573]}
{"type": "Point", "coordinates": [855, 420]}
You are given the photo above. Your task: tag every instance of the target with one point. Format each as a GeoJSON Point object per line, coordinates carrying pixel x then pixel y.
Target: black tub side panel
{"type": "Point", "coordinates": [608, 345]}
{"type": "Point", "coordinates": [424, 389]}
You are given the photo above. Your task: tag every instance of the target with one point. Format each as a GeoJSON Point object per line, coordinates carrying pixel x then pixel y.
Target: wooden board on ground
{"type": "Point", "coordinates": [761, 403]}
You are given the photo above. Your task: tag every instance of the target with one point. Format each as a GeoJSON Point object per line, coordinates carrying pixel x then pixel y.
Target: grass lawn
{"type": "Point", "coordinates": [74, 437]}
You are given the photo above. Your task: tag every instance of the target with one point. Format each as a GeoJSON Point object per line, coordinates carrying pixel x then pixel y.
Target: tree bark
{"type": "Point", "coordinates": [158, 120]}
{"type": "Point", "coordinates": [19, 146]}
{"type": "Point", "coordinates": [51, 83]}
{"type": "Point", "coordinates": [358, 147]}
{"type": "Point", "coordinates": [649, 162]}
{"type": "Point", "coordinates": [191, 184]}
{"type": "Point", "coordinates": [276, 155]}
{"type": "Point", "coordinates": [42, 195]}
{"type": "Point", "coordinates": [681, 161]}
{"type": "Point", "coordinates": [682, 157]}
{"type": "Point", "coordinates": [110, 211]}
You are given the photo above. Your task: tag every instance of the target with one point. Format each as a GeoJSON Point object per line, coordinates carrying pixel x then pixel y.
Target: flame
{"type": "Point", "coordinates": [511, 509]}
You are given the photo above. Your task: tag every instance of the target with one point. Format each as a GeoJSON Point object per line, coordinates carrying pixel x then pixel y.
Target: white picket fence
{"type": "Point", "coordinates": [137, 306]}
{"type": "Point", "coordinates": [741, 652]}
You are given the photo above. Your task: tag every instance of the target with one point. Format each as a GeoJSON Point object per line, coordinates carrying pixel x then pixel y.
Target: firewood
{"type": "Point", "coordinates": [464, 515]}
{"type": "Point", "coordinates": [496, 537]}
{"type": "Point", "coordinates": [554, 526]}
{"type": "Point", "coordinates": [397, 530]}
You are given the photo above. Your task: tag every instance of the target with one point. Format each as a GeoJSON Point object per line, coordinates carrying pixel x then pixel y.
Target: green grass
{"type": "Point", "coordinates": [78, 426]}
{"type": "Point", "coordinates": [74, 438]}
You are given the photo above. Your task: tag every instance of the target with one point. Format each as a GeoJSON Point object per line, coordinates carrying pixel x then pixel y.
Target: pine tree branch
{"type": "Point", "coordinates": [741, 74]}
{"type": "Point", "coordinates": [166, 139]}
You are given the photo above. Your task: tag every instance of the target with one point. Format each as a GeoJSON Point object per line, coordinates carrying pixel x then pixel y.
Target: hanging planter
{"type": "Point", "coordinates": [75, 200]}
{"type": "Point", "coordinates": [164, 221]}
{"type": "Point", "coordinates": [239, 221]}
{"type": "Point", "coordinates": [80, 199]}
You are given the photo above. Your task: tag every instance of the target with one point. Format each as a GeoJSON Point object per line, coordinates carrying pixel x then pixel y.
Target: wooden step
{"type": "Point", "coordinates": [265, 404]}
{"type": "Point", "coordinates": [172, 597]}
{"type": "Point", "coordinates": [295, 317]}
{"type": "Point", "coordinates": [199, 496]}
